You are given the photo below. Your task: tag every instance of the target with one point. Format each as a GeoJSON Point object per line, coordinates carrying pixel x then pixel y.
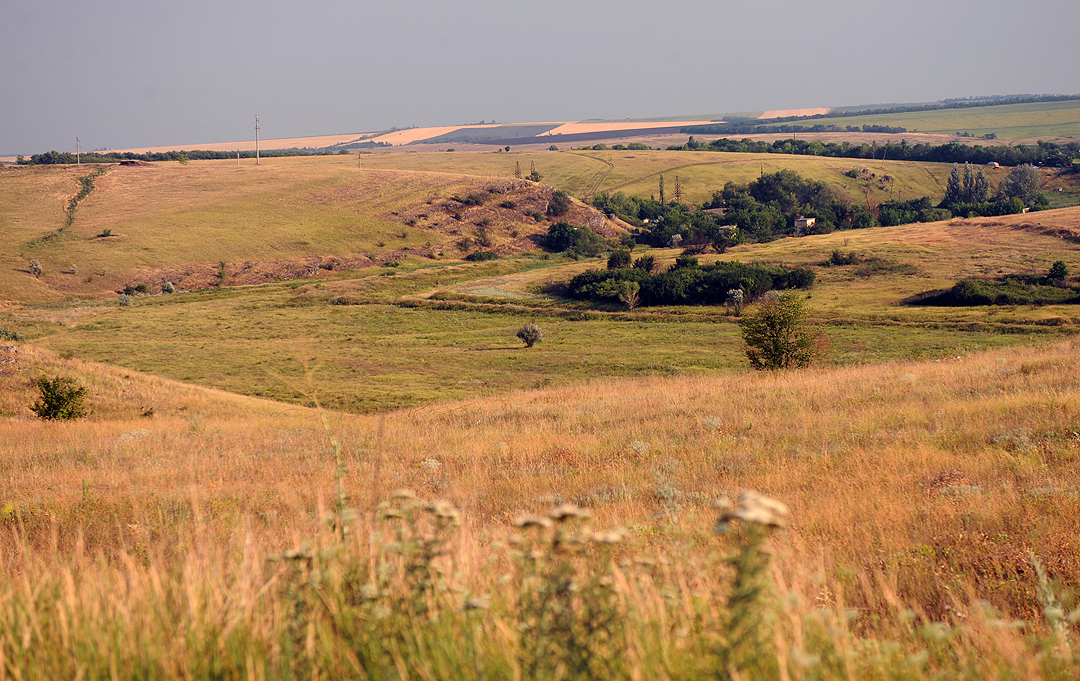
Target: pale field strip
{"type": "Point", "coordinates": [786, 113]}
{"type": "Point", "coordinates": [577, 127]}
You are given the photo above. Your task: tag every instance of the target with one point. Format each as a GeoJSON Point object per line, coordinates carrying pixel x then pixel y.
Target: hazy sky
{"type": "Point", "coordinates": [124, 73]}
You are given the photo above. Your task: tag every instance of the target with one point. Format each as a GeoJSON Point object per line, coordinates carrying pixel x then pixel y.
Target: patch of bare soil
{"type": "Point", "coordinates": [503, 215]}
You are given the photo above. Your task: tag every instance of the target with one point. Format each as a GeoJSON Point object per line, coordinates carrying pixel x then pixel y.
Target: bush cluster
{"type": "Point", "coordinates": [687, 282]}
{"type": "Point", "coordinates": [564, 237]}
{"type": "Point", "coordinates": [479, 256]}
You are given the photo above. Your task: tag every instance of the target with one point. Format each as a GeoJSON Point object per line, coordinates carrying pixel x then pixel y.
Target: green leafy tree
{"type": "Point", "coordinates": [981, 188]}
{"type": "Point", "coordinates": [1022, 183]}
{"type": "Point", "coordinates": [954, 192]}
{"type": "Point", "coordinates": [61, 399]}
{"type": "Point", "coordinates": [777, 333]}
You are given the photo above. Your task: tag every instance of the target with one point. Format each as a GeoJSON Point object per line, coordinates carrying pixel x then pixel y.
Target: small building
{"type": "Point", "coordinates": [803, 225]}
{"type": "Point", "coordinates": [993, 164]}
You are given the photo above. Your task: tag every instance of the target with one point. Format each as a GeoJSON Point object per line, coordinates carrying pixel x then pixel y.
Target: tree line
{"type": "Point", "coordinates": [63, 157]}
{"type": "Point", "coordinates": [955, 103]}
{"type": "Point", "coordinates": [1042, 153]}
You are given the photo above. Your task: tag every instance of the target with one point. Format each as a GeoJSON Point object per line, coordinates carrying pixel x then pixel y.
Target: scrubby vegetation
{"type": "Point", "coordinates": [1014, 289]}
{"type": "Point", "coordinates": [530, 334]}
{"type": "Point", "coordinates": [969, 292]}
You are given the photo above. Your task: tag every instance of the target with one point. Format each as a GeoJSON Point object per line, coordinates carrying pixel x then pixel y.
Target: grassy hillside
{"type": "Point", "coordinates": [583, 173]}
{"type": "Point", "coordinates": [266, 222]}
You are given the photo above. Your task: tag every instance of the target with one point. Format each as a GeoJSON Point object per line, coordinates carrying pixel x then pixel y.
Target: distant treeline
{"type": "Point", "coordinates": [1044, 153]}
{"type": "Point", "coordinates": [752, 128]}
{"type": "Point", "coordinates": [963, 103]}
{"type": "Point", "coordinates": [62, 157]}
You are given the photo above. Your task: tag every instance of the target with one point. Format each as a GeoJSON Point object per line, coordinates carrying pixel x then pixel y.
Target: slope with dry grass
{"type": "Point", "coordinates": [285, 218]}
{"type": "Point", "coordinates": [922, 485]}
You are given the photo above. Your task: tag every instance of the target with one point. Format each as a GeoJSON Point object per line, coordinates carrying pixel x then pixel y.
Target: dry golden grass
{"type": "Point", "coordinates": [942, 475]}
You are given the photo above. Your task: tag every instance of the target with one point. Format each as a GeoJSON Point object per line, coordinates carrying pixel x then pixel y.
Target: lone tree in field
{"type": "Point", "coordinates": [777, 334]}
{"type": "Point", "coordinates": [61, 399]}
{"type": "Point", "coordinates": [530, 334]}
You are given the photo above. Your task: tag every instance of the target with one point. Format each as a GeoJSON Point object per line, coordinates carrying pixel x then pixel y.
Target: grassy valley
{"type": "Point", "coordinates": [228, 510]}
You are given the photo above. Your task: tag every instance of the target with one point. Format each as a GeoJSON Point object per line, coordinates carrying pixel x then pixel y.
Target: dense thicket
{"type": "Point", "coordinates": [687, 282]}
{"type": "Point", "coordinates": [764, 209]}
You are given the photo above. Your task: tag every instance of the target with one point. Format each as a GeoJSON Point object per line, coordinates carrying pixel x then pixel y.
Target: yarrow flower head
{"type": "Point", "coordinates": [752, 508]}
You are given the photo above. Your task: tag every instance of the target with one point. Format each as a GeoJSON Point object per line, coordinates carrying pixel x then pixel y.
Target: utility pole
{"type": "Point", "coordinates": [237, 158]}
{"type": "Point", "coordinates": [256, 139]}
{"type": "Point", "coordinates": [678, 189]}
{"type": "Point", "coordinates": [77, 150]}
{"type": "Point", "coordinates": [517, 170]}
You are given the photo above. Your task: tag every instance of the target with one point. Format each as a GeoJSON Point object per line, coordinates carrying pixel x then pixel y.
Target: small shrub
{"type": "Point", "coordinates": [1059, 272]}
{"type": "Point", "coordinates": [478, 256]}
{"type": "Point", "coordinates": [510, 205]}
{"type": "Point", "coordinates": [168, 287]}
{"type": "Point", "coordinates": [123, 300]}
{"type": "Point", "coordinates": [553, 148]}
{"type": "Point", "coordinates": [470, 200]}
{"type": "Point", "coordinates": [35, 267]}
{"type": "Point", "coordinates": [645, 262]}
{"type": "Point", "coordinates": [619, 258]}
{"type": "Point", "coordinates": [61, 399]}
{"type": "Point", "coordinates": [559, 204]}
{"type": "Point", "coordinates": [11, 335]}
{"type": "Point", "coordinates": [530, 334]}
